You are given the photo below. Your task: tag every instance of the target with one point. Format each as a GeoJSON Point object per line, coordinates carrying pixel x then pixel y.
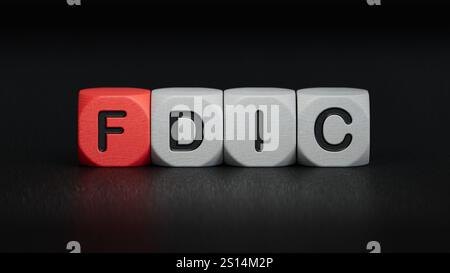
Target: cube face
{"type": "Point", "coordinates": [187, 127]}
{"type": "Point", "coordinates": [114, 126]}
{"type": "Point", "coordinates": [260, 127]}
{"type": "Point", "coordinates": [333, 127]}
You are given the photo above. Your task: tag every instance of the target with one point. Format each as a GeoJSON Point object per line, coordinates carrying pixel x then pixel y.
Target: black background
{"type": "Point", "coordinates": [400, 53]}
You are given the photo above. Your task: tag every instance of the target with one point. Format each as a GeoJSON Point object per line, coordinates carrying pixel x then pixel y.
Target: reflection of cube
{"type": "Point", "coordinates": [113, 127]}
{"type": "Point", "coordinates": [187, 127]}
{"type": "Point", "coordinates": [333, 127]}
{"type": "Point", "coordinates": [260, 127]}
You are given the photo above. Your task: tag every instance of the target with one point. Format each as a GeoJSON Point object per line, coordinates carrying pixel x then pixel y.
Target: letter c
{"type": "Point", "coordinates": [318, 130]}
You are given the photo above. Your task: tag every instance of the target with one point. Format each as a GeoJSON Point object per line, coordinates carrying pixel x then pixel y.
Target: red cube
{"type": "Point", "coordinates": [114, 127]}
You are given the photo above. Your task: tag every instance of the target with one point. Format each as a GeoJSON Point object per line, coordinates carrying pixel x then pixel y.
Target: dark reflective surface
{"type": "Point", "coordinates": [112, 210]}
{"type": "Point", "coordinates": [222, 209]}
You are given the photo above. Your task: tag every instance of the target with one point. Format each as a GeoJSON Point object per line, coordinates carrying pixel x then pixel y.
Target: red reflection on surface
{"type": "Point", "coordinates": [113, 210]}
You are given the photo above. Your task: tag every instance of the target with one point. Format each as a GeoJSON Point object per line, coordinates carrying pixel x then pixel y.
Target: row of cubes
{"type": "Point", "coordinates": [199, 127]}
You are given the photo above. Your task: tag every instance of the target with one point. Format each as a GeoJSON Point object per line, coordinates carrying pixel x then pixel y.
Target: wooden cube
{"type": "Point", "coordinates": [333, 127]}
{"type": "Point", "coordinates": [187, 125]}
{"type": "Point", "coordinates": [114, 127]}
{"type": "Point", "coordinates": [260, 127]}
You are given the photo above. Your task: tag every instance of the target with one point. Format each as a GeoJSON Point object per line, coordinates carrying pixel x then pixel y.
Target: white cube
{"type": "Point", "coordinates": [260, 127]}
{"type": "Point", "coordinates": [187, 127]}
{"type": "Point", "coordinates": [333, 127]}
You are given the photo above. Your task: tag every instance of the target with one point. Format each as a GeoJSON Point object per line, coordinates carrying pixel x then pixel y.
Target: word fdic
{"type": "Point", "coordinates": [198, 127]}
